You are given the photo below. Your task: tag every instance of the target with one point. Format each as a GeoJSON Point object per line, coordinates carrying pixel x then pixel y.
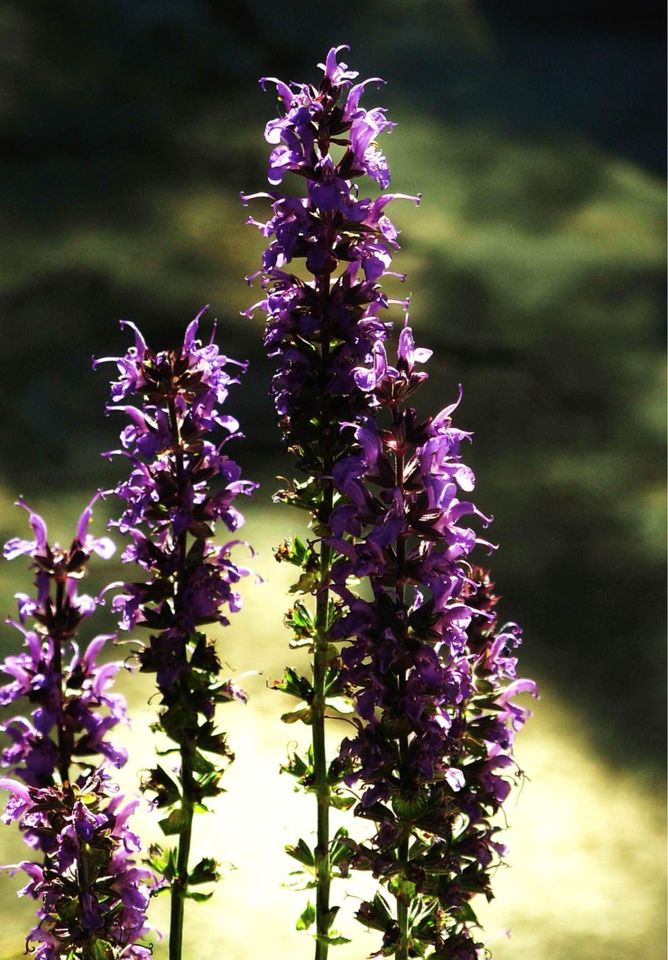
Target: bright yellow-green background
{"type": "Point", "coordinates": [536, 264]}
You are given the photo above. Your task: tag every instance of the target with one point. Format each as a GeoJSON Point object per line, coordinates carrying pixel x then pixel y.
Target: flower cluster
{"type": "Point", "coordinates": [430, 686]}
{"type": "Point", "coordinates": [74, 709]}
{"type": "Point", "coordinates": [328, 250]}
{"type": "Point", "coordinates": [93, 896]}
{"type": "Point", "coordinates": [319, 329]}
{"type": "Point", "coordinates": [180, 483]}
{"type": "Point", "coordinates": [431, 677]}
{"type": "Point", "coordinates": [173, 461]}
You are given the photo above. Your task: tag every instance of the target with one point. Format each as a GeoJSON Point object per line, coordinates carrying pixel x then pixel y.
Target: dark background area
{"type": "Point", "coordinates": [536, 264]}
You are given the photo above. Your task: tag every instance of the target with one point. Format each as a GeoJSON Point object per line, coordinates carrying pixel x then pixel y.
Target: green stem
{"type": "Point", "coordinates": [180, 881]}
{"type": "Point", "coordinates": [402, 856]}
{"type": "Point", "coordinates": [179, 886]}
{"type": "Point", "coordinates": [402, 849]}
{"type": "Point", "coordinates": [55, 632]}
{"type": "Point", "coordinates": [320, 667]}
{"type": "Point", "coordinates": [321, 658]}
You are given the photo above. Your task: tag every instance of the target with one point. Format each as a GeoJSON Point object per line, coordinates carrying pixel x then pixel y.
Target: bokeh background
{"type": "Point", "coordinates": [536, 265]}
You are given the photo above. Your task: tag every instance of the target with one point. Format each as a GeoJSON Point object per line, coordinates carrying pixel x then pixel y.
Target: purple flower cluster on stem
{"type": "Point", "coordinates": [431, 676]}
{"type": "Point", "coordinates": [432, 689]}
{"type": "Point", "coordinates": [74, 708]}
{"type": "Point", "coordinates": [180, 483]}
{"type": "Point", "coordinates": [92, 896]}
{"type": "Point", "coordinates": [319, 330]}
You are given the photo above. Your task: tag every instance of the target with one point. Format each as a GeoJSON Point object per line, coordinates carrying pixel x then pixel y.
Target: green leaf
{"type": "Point", "coordinates": [466, 914]}
{"type": "Point", "coordinates": [101, 950]}
{"type": "Point", "coordinates": [202, 765]}
{"type": "Point", "coordinates": [294, 551]}
{"type": "Point", "coordinates": [341, 801]}
{"type": "Point", "coordinates": [197, 896]}
{"type": "Point", "coordinates": [339, 848]}
{"type": "Point", "coordinates": [307, 918]}
{"type": "Point", "coordinates": [301, 852]}
{"type": "Point", "coordinates": [206, 871]}
{"type": "Point", "coordinates": [178, 720]}
{"type": "Point", "coordinates": [333, 939]}
{"type": "Point", "coordinates": [302, 712]}
{"type": "Point", "coordinates": [375, 915]}
{"type": "Point", "coordinates": [300, 616]}
{"type": "Point", "coordinates": [307, 582]}
{"type": "Point", "coordinates": [162, 861]}
{"type": "Point", "coordinates": [296, 766]}
{"type": "Point", "coordinates": [176, 822]}
{"type": "Point", "coordinates": [214, 742]}
{"type": "Point", "coordinates": [166, 790]}
{"type": "Point", "coordinates": [294, 685]}
{"type": "Point", "coordinates": [403, 890]}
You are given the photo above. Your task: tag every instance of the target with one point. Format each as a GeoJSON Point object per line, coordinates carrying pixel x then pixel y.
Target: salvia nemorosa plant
{"type": "Point", "coordinates": [180, 483]}
{"type": "Point", "coordinates": [92, 895]}
{"type": "Point", "coordinates": [431, 674]}
{"type": "Point", "coordinates": [397, 615]}
{"type": "Point", "coordinates": [430, 686]}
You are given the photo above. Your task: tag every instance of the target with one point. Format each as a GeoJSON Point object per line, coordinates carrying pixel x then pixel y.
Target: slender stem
{"type": "Point", "coordinates": [55, 632]}
{"type": "Point", "coordinates": [320, 656]}
{"type": "Point", "coordinates": [320, 666]}
{"type": "Point", "coordinates": [402, 849]}
{"type": "Point", "coordinates": [180, 880]}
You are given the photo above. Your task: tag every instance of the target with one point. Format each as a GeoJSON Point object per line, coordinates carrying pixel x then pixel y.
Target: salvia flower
{"type": "Point", "coordinates": [73, 707]}
{"type": "Point", "coordinates": [92, 894]}
{"type": "Point", "coordinates": [329, 247]}
{"type": "Point", "coordinates": [389, 500]}
{"type": "Point", "coordinates": [319, 329]}
{"type": "Point", "coordinates": [431, 674]}
{"type": "Point", "coordinates": [180, 483]}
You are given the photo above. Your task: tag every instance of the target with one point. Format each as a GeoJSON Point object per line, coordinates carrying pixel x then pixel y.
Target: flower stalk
{"type": "Point", "coordinates": [429, 673]}
{"type": "Point", "coordinates": [180, 484]}
{"type": "Point", "coordinates": [381, 488]}
{"type": "Point", "coordinates": [318, 330]}
{"type": "Point", "coordinates": [92, 896]}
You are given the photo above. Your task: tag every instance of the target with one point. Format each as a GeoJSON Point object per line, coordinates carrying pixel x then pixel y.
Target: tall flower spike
{"type": "Point", "coordinates": [430, 673]}
{"type": "Point", "coordinates": [92, 896]}
{"type": "Point", "coordinates": [180, 484]}
{"type": "Point", "coordinates": [383, 497]}
{"type": "Point", "coordinates": [325, 318]}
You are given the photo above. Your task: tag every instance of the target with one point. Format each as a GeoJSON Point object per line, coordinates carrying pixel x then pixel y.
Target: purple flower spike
{"type": "Point", "coordinates": [92, 895]}
{"type": "Point", "coordinates": [422, 664]}
{"type": "Point", "coordinates": [174, 443]}
{"type": "Point", "coordinates": [73, 710]}
{"type": "Point", "coordinates": [346, 241]}
{"type": "Point", "coordinates": [427, 667]}
{"type": "Point", "coordinates": [180, 483]}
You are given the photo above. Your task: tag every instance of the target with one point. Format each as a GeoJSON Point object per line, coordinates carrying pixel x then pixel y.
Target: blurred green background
{"type": "Point", "coordinates": [536, 265]}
